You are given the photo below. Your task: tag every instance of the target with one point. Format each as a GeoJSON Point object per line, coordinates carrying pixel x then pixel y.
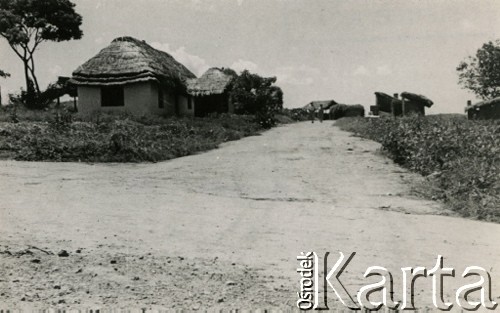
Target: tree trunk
{"type": "Point", "coordinates": [33, 76]}
{"type": "Point", "coordinates": [26, 75]}
{"type": "Point", "coordinates": [29, 88]}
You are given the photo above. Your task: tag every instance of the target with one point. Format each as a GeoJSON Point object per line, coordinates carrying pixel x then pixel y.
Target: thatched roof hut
{"type": "Point", "coordinates": [384, 97]}
{"type": "Point", "coordinates": [347, 110]}
{"type": "Point", "coordinates": [213, 82]}
{"type": "Point", "coordinates": [417, 98]}
{"type": "Point", "coordinates": [131, 76]}
{"type": "Point", "coordinates": [129, 60]}
{"type": "Point", "coordinates": [384, 103]}
{"type": "Point", "coordinates": [211, 91]}
{"type": "Point", "coordinates": [492, 102]}
{"type": "Point", "coordinates": [327, 104]}
{"type": "Point", "coordinates": [489, 109]}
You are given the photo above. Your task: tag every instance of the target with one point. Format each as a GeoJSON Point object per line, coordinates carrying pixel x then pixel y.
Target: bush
{"type": "Point", "coordinates": [283, 119]}
{"type": "Point", "coordinates": [345, 110]}
{"type": "Point", "coordinates": [297, 114]}
{"type": "Point", "coordinates": [265, 118]}
{"type": "Point", "coordinates": [61, 120]}
{"type": "Point", "coordinates": [16, 111]}
{"type": "Point", "coordinates": [460, 158]}
{"type": "Point", "coordinates": [123, 138]}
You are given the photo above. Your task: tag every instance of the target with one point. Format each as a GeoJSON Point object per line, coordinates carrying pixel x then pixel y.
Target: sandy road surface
{"type": "Point", "coordinates": [223, 228]}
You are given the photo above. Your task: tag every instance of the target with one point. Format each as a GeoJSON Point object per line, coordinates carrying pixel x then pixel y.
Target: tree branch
{"type": "Point", "coordinates": [17, 52]}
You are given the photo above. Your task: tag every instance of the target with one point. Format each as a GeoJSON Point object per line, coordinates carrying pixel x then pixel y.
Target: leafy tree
{"type": "Point", "coordinates": [481, 73]}
{"type": "Point", "coordinates": [3, 74]}
{"type": "Point", "coordinates": [229, 71]}
{"type": "Point", "coordinates": [252, 93]}
{"type": "Point", "coordinates": [56, 90]}
{"type": "Point", "coordinates": [27, 23]}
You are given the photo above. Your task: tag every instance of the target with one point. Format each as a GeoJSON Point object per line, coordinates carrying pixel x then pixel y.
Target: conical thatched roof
{"type": "Point", "coordinates": [417, 98]}
{"type": "Point", "coordinates": [128, 60]}
{"type": "Point", "coordinates": [213, 82]}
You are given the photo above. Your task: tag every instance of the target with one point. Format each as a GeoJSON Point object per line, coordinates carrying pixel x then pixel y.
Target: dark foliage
{"type": "Point", "coordinates": [481, 73]}
{"type": "Point", "coordinates": [253, 94]}
{"type": "Point", "coordinates": [344, 110]}
{"type": "Point", "coordinates": [297, 114]}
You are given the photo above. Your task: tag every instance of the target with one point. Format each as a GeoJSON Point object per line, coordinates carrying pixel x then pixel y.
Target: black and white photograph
{"type": "Point", "coordinates": [249, 156]}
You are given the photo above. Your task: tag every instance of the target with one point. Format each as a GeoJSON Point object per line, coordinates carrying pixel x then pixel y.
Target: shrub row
{"type": "Point", "coordinates": [459, 157]}
{"type": "Point", "coordinates": [108, 138]}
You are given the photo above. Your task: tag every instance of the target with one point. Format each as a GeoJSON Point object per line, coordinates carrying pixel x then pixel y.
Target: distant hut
{"type": "Point", "coordinates": [328, 106]}
{"type": "Point", "coordinates": [388, 104]}
{"type": "Point", "coordinates": [374, 110]}
{"type": "Point", "coordinates": [414, 103]}
{"type": "Point", "coordinates": [347, 110]}
{"type": "Point", "coordinates": [130, 75]}
{"type": "Point", "coordinates": [410, 103]}
{"type": "Point", "coordinates": [62, 87]}
{"type": "Point", "coordinates": [484, 110]}
{"type": "Point", "coordinates": [210, 92]}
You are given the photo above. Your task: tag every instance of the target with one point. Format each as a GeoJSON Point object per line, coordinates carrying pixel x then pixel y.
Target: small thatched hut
{"type": "Point", "coordinates": [414, 103]}
{"type": "Point", "coordinates": [130, 75]}
{"type": "Point", "coordinates": [347, 110]}
{"type": "Point", "coordinates": [484, 110]}
{"type": "Point", "coordinates": [316, 104]}
{"type": "Point", "coordinates": [388, 104]}
{"type": "Point", "coordinates": [210, 92]}
{"type": "Point", "coordinates": [410, 103]}
{"type": "Point", "coordinates": [328, 106]}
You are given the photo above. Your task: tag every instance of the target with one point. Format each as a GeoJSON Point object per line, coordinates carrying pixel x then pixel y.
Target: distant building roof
{"type": "Point", "coordinates": [494, 101]}
{"type": "Point", "coordinates": [384, 102]}
{"type": "Point", "coordinates": [327, 104]}
{"type": "Point", "coordinates": [417, 98]}
{"type": "Point", "coordinates": [384, 97]}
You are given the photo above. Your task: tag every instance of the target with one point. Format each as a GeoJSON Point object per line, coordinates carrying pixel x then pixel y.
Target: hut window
{"type": "Point", "coordinates": [112, 96]}
{"type": "Point", "coordinates": [190, 103]}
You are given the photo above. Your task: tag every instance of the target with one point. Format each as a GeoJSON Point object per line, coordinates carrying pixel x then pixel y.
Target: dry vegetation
{"type": "Point", "coordinates": [460, 158]}
{"type": "Point", "coordinates": [59, 135]}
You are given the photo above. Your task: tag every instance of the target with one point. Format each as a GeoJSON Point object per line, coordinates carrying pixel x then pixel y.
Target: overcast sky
{"type": "Point", "coordinates": [341, 50]}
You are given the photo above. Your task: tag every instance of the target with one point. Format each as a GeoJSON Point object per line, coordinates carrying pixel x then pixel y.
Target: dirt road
{"type": "Point", "coordinates": [223, 228]}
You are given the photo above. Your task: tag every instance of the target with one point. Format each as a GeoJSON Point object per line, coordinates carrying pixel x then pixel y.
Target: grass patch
{"type": "Point", "coordinates": [460, 158]}
{"type": "Point", "coordinates": [62, 136]}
